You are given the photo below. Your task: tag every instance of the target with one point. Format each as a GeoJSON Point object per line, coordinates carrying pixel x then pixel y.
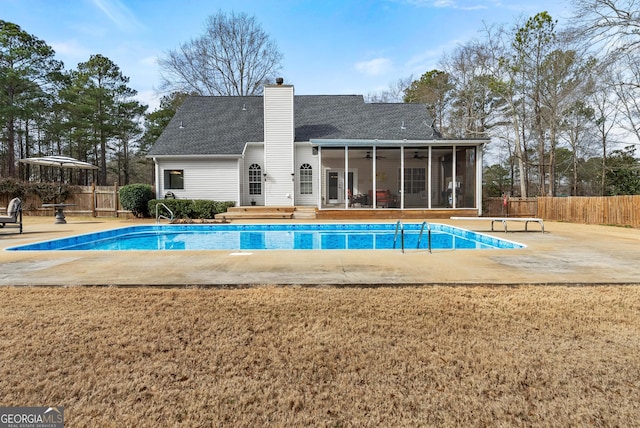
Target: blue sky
{"type": "Point", "coordinates": [329, 46]}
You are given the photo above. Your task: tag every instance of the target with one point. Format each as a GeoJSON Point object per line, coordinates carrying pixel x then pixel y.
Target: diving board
{"type": "Point", "coordinates": [504, 221]}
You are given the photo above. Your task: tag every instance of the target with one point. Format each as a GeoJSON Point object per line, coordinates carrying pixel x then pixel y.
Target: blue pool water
{"type": "Point", "coordinates": [353, 236]}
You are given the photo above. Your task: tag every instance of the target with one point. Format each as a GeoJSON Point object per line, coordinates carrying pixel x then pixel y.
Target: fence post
{"type": "Point", "coordinates": [116, 203]}
{"type": "Point", "coordinates": [94, 200]}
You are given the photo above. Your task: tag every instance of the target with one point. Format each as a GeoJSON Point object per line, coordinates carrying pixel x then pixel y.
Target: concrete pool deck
{"type": "Point", "coordinates": [569, 254]}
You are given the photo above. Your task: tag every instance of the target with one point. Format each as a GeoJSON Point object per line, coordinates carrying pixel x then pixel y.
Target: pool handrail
{"type": "Point", "coordinates": [424, 223]}
{"type": "Point", "coordinates": [399, 227]}
{"type": "Point", "coordinates": [159, 216]}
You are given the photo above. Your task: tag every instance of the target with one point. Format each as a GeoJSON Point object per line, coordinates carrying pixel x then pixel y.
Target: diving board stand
{"type": "Point", "coordinates": [504, 221]}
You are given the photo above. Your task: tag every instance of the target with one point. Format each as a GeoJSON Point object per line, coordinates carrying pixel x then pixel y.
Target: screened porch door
{"type": "Point", "coordinates": [332, 186]}
{"type": "Point", "coordinates": [335, 186]}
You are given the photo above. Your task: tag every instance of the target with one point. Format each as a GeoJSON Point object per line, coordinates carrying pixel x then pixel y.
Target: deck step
{"type": "Point", "coordinates": [261, 209]}
{"type": "Point", "coordinates": [305, 213]}
{"type": "Point", "coordinates": [266, 213]}
{"type": "Point", "coordinates": [238, 215]}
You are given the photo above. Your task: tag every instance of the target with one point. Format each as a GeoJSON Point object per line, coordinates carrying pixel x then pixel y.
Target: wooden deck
{"type": "Point", "coordinates": [256, 213]}
{"type": "Point", "coordinates": [311, 213]}
{"type": "Point", "coordinates": [392, 214]}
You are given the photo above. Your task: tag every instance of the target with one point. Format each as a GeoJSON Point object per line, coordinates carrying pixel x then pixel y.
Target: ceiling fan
{"type": "Point", "coordinates": [416, 156]}
{"type": "Point", "coordinates": [368, 156]}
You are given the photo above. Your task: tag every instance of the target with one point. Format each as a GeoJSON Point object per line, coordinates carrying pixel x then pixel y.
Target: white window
{"type": "Point", "coordinates": [306, 179]}
{"type": "Point", "coordinates": [414, 180]}
{"type": "Point", "coordinates": [255, 179]}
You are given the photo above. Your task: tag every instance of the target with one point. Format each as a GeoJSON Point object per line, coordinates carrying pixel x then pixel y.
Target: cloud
{"type": "Point", "coordinates": [118, 13]}
{"type": "Point", "coordinates": [429, 58]}
{"type": "Point", "coordinates": [150, 98]}
{"type": "Point", "coordinates": [71, 52]}
{"type": "Point", "coordinates": [149, 61]}
{"type": "Point", "coordinates": [472, 5]}
{"type": "Point", "coordinates": [375, 67]}
{"type": "Point", "coordinates": [453, 4]}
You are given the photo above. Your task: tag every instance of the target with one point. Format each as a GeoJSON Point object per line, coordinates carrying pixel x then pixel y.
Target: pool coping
{"type": "Point", "coordinates": [67, 243]}
{"type": "Point", "coordinates": [566, 254]}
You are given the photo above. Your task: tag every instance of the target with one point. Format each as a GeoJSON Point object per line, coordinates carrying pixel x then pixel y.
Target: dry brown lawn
{"type": "Point", "coordinates": [269, 356]}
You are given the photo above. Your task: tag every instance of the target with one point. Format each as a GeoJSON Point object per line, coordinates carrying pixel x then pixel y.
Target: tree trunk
{"type": "Point", "coordinates": [603, 181]}
{"type": "Point", "coordinates": [575, 174]}
{"type": "Point", "coordinates": [519, 156]}
{"type": "Point", "coordinates": [552, 162]}
{"type": "Point", "coordinates": [11, 149]}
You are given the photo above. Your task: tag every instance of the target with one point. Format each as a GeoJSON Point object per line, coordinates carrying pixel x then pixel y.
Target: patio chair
{"type": "Point", "coordinates": [14, 214]}
{"type": "Point", "coordinates": [384, 199]}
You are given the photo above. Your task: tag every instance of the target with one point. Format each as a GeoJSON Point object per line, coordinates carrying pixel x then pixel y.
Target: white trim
{"type": "Point", "coordinates": [374, 178]}
{"type": "Point", "coordinates": [407, 143]}
{"type": "Point", "coordinates": [401, 189]}
{"type": "Point", "coordinates": [169, 157]}
{"type": "Point", "coordinates": [345, 178]}
{"type": "Point", "coordinates": [157, 177]}
{"type": "Point", "coordinates": [320, 176]}
{"type": "Point", "coordinates": [454, 177]}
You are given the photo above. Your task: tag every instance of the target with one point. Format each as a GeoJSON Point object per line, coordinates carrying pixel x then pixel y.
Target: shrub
{"type": "Point", "coordinates": [191, 209]}
{"type": "Point", "coordinates": [48, 192]}
{"type": "Point", "coordinates": [135, 198]}
{"type": "Point", "coordinates": [12, 188]}
{"type": "Point", "coordinates": [51, 192]}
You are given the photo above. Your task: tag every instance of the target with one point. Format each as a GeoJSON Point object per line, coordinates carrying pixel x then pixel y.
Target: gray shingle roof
{"type": "Point", "coordinates": [223, 125]}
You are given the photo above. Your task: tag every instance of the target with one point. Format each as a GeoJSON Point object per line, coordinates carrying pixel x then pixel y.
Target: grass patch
{"type": "Point", "coordinates": [418, 356]}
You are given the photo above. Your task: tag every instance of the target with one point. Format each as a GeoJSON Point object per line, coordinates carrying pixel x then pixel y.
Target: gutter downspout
{"type": "Point", "coordinates": [156, 169]}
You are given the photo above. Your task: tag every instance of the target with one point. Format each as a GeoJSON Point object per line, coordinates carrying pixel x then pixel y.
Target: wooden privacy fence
{"type": "Point", "coordinates": [515, 207]}
{"type": "Point", "coordinates": [95, 201]}
{"type": "Point", "coordinates": [614, 210]}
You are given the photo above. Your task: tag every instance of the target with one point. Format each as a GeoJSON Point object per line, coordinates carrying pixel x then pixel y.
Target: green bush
{"type": "Point", "coordinates": [191, 209]}
{"type": "Point", "coordinates": [135, 198]}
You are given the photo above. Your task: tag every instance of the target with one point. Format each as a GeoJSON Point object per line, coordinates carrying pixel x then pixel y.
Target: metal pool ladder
{"type": "Point", "coordinates": [159, 216]}
{"type": "Point", "coordinates": [424, 223]}
{"type": "Point", "coordinates": [400, 230]}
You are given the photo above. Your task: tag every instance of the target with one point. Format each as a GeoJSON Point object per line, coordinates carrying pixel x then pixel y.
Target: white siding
{"type": "Point", "coordinates": [213, 179]}
{"type": "Point", "coordinates": [254, 153]}
{"type": "Point", "coordinates": [304, 154]}
{"type": "Point", "coordinates": [278, 149]}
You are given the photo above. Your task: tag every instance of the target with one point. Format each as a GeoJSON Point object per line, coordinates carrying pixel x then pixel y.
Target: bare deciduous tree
{"type": "Point", "coordinates": [393, 94]}
{"type": "Point", "coordinates": [433, 89]}
{"type": "Point", "coordinates": [234, 56]}
{"type": "Point", "coordinates": [614, 22]}
{"type": "Point", "coordinates": [475, 108]}
{"type": "Point", "coordinates": [629, 96]}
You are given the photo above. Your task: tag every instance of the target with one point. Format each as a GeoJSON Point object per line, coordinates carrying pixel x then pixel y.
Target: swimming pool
{"type": "Point", "coordinates": [298, 236]}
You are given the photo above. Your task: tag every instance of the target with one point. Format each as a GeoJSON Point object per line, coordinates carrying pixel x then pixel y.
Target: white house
{"type": "Point", "coordinates": [325, 151]}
